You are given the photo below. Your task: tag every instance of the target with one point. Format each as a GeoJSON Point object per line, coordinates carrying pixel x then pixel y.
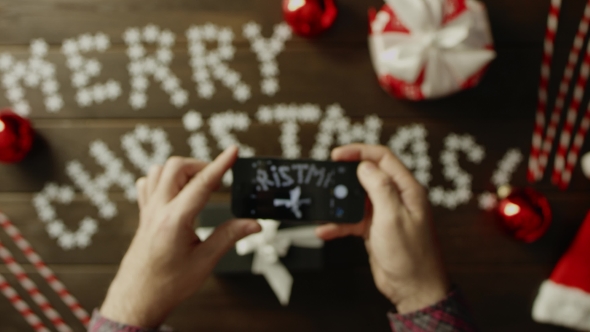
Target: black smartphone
{"type": "Point", "coordinates": [297, 190]}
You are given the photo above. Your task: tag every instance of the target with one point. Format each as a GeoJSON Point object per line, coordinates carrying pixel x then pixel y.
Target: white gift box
{"type": "Point", "coordinates": [429, 48]}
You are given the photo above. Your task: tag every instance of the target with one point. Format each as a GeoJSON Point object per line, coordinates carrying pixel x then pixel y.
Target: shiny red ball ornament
{"type": "Point", "coordinates": [309, 17]}
{"type": "Point", "coordinates": [524, 213]}
{"type": "Point", "coordinates": [16, 137]}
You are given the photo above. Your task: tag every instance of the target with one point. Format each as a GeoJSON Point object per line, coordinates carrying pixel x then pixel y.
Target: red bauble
{"type": "Point", "coordinates": [16, 137]}
{"type": "Point", "coordinates": [309, 17]}
{"type": "Point", "coordinates": [525, 214]}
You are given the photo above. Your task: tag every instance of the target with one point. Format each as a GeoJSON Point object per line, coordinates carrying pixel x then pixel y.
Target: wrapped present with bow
{"type": "Point", "coordinates": [425, 49]}
{"type": "Point", "coordinates": [273, 252]}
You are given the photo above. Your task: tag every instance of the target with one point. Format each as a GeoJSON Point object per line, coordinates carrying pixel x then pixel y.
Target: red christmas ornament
{"type": "Point", "coordinates": [16, 137]}
{"type": "Point", "coordinates": [309, 17]}
{"type": "Point", "coordinates": [523, 213]}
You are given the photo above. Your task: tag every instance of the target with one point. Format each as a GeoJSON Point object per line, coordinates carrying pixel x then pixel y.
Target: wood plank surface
{"type": "Point", "coordinates": [499, 276]}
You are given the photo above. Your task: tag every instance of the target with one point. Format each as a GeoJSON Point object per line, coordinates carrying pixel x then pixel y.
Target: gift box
{"type": "Point", "coordinates": [278, 249]}
{"type": "Point", "coordinates": [296, 259]}
{"type": "Point", "coordinates": [424, 49]}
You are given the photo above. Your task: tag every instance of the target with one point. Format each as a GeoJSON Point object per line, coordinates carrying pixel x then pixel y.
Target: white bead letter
{"type": "Point", "coordinates": [414, 137]}
{"type": "Point", "coordinates": [210, 63]}
{"type": "Point", "coordinates": [83, 69]}
{"type": "Point", "coordinates": [289, 116]}
{"type": "Point", "coordinates": [449, 157]}
{"type": "Point", "coordinates": [36, 72]}
{"type": "Point", "coordinates": [266, 51]}
{"type": "Point", "coordinates": [97, 189]}
{"type": "Point", "coordinates": [335, 123]}
{"type": "Point", "coordinates": [141, 66]}
{"type": "Point", "coordinates": [55, 226]}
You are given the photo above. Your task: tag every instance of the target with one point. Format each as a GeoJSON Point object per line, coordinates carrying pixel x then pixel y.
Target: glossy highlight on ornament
{"type": "Point", "coordinates": [16, 137]}
{"type": "Point", "coordinates": [309, 18]}
{"type": "Point", "coordinates": [293, 5]}
{"type": "Point", "coordinates": [523, 213]}
{"type": "Point", "coordinates": [511, 209]}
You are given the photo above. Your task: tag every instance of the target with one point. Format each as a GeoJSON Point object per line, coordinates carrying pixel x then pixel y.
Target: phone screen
{"type": "Point", "coordinates": [297, 190]}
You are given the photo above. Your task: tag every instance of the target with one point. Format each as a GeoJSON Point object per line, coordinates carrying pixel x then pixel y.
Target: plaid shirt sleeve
{"type": "Point", "coordinates": [98, 323]}
{"type": "Point", "coordinates": [449, 315]}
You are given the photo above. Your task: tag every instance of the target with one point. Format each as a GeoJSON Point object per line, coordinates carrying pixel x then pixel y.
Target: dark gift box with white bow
{"type": "Point", "coordinates": [276, 250]}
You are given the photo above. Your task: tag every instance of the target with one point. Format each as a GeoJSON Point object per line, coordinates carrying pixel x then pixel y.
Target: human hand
{"type": "Point", "coordinates": [166, 262]}
{"type": "Point", "coordinates": [397, 230]}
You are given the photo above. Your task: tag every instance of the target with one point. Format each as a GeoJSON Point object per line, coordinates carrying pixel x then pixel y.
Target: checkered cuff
{"type": "Point", "coordinates": [449, 315]}
{"type": "Point", "coordinates": [98, 323]}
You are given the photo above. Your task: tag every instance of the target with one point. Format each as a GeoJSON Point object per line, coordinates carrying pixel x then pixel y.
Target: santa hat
{"type": "Point", "coordinates": [564, 299]}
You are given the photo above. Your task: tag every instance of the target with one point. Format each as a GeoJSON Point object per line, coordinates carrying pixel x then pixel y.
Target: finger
{"type": "Point", "coordinates": [175, 175]}
{"type": "Point", "coordinates": [153, 177]}
{"type": "Point", "coordinates": [379, 155]}
{"type": "Point", "coordinates": [140, 186]}
{"type": "Point", "coordinates": [196, 193]}
{"type": "Point", "coordinates": [333, 231]}
{"type": "Point", "coordinates": [412, 192]}
{"type": "Point", "coordinates": [223, 238]}
{"type": "Point", "coordinates": [380, 188]}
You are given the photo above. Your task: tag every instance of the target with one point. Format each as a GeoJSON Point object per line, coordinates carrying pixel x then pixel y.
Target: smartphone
{"type": "Point", "coordinates": [297, 190]}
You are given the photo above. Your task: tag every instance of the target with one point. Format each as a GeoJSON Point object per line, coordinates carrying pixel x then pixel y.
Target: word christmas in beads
{"type": "Point", "coordinates": [334, 128]}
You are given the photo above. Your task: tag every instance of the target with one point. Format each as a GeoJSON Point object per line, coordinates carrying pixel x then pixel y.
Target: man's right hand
{"type": "Point", "coordinates": [397, 229]}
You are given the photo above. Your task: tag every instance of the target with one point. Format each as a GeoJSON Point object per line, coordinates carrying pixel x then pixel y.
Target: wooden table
{"type": "Point", "coordinates": [499, 276]}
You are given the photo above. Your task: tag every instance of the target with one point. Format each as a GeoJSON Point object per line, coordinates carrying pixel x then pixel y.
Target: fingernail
{"type": "Point", "coordinates": [230, 148]}
{"type": "Point", "coordinates": [368, 167]}
{"type": "Point", "coordinates": [252, 228]}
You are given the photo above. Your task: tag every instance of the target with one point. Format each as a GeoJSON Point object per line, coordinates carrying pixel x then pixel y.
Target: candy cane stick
{"type": "Point", "coordinates": [550, 32]}
{"type": "Point", "coordinates": [21, 306]}
{"type": "Point", "coordinates": [563, 89]}
{"type": "Point", "coordinates": [570, 121]}
{"type": "Point", "coordinates": [45, 271]}
{"type": "Point", "coordinates": [574, 153]}
{"type": "Point", "coordinates": [33, 291]}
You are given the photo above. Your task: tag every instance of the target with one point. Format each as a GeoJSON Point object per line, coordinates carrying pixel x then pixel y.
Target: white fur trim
{"type": "Point", "coordinates": [562, 305]}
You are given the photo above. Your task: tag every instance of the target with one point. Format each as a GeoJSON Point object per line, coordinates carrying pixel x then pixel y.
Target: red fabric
{"type": "Point", "coordinates": [394, 24]}
{"type": "Point", "coordinates": [573, 269]}
{"type": "Point", "coordinates": [402, 89]}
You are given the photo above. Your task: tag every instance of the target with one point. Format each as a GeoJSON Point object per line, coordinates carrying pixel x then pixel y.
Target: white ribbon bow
{"type": "Point", "coordinates": [268, 246]}
{"type": "Point", "coordinates": [450, 54]}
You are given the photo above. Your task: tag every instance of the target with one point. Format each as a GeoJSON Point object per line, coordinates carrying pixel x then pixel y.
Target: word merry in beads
{"type": "Point", "coordinates": [207, 65]}
{"type": "Point", "coordinates": [334, 128]}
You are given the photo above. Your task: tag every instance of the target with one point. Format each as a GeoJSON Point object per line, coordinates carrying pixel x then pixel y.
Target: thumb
{"type": "Point", "coordinates": [223, 238]}
{"type": "Point", "coordinates": [381, 189]}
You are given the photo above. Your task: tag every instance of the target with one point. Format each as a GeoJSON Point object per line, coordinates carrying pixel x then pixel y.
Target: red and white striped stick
{"type": "Point", "coordinates": [45, 271]}
{"type": "Point", "coordinates": [550, 32]}
{"type": "Point", "coordinates": [574, 153]}
{"type": "Point", "coordinates": [33, 290]}
{"type": "Point", "coordinates": [563, 90]}
{"type": "Point", "coordinates": [21, 306]}
{"type": "Point", "coordinates": [570, 122]}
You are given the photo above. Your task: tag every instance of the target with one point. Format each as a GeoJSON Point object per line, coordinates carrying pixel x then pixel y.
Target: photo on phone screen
{"type": "Point", "coordinates": [297, 190]}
